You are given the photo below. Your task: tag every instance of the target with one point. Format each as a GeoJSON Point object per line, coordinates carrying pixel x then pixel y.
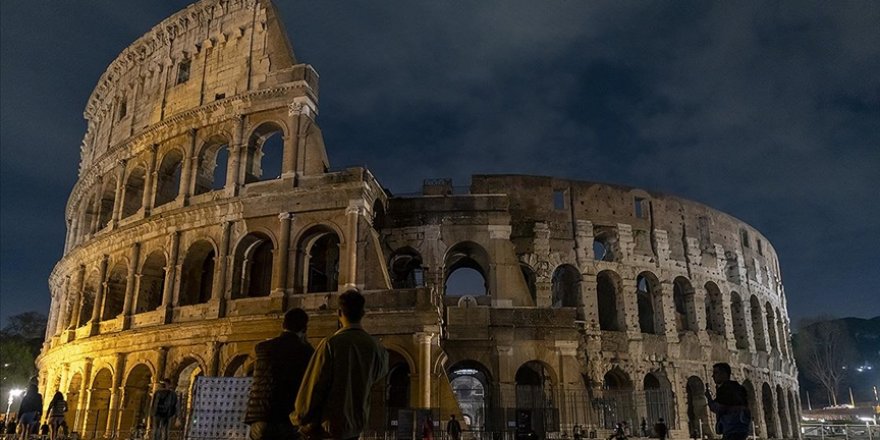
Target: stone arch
{"type": "Point", "coordinates": [393, 392]}
{"type": "Point", "coordinates": [240, 365]}
{"type": "Point", "coordinates": [697, 406]}
{"type": "Point", "coordinates": [752, 398]}
{"type": "Point", "coordinates": [684, 298]}
{"type": "Point", "coordinates": [168, 176]}
{"type": "Point", "coordinates": [135, 405]}
{"type": "Point", "coordinates": [531, 280]}
{"type": "Point", "coordinates": [771, 326]}
{"type": "Point", "coordinates": [650, 303]}
{"type": "Point", "coordinates": [108, 198]}
{"type": "Point", "coordinates": [89, 293]}
{"type": "Point", "coordinates": [738, 316]}
{"type": "Point", "coordinates": [461, 258]}
{"type": "Point", "coordinates": [252, 266]}
{"type": "Point", "coordinates": [133, 190]}
{"type": "Point", "coordinates": [659, 399]}
{"type": "Point", "coordinates": [264, 152]}
{"type": "Point", "coordinates": [767, 405]}
{"type": "Point", "coordinates": [99, 404]}
{"type": "Point", "coordinates": [152, 282]}
{"type": "Point", "coordinates": [617, 402]}
{"type": "Point", "coordinates": [472, 386]}
{"type": "Point", "coordinates": [114, 292]}
{"type": "Point", "coordinates": [188, 370]}
{"type": "Point", "coordinates": [757, 324]}
{"type": "Point", "coordinates": [534, 396]}
{"type": "Point", "coordinates": [714, 309]}
{"type": "Point", "coordinates": [566, 286]}
{"type": "Point", "coordinates": [88, 215]}
{"type": "Point", "coordinates": [74, 391]}
{"type": "Point", "coordinates": [406, 268]}
{"type": "Point", "coordinates": [213, 158]}
{"type": "Point", "coordinates": [197, 274]}
{"type": "Point", "coordinates": [782, 411]}
{"type": "Point", "coordinates": [319, 250]}
{"type": "Point", "coordinates": [608, 286]}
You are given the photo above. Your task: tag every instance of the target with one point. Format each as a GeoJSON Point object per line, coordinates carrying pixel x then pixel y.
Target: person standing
{"type": "Point", "coordinates": [661, 429]}
{"type": "Point", "coordinates": [730, 404]}
{"type": "Point", "coordinates": [453, 428]}
{"type": "Point", "coordinates": [333, 400]}
{"type": "Point", "coordinates": [279, 366]}
{"type": "Point", "coordinates": [30, 410]}
{"type": "Point", "coordinates": [57, 408]}
{"type": "Point", "coordinates": [164, 407]}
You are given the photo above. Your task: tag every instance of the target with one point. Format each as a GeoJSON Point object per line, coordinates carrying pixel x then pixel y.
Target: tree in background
{"type": "Point", "coordinates": [823, 350]}
{"type": "Point", "coordinates": [20, 343]}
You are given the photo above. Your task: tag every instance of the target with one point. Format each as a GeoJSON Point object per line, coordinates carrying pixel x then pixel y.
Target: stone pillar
{"type": "Point", "coordinates": [282, 254]}
{"type": "Point", "coordinates": [115, 394]}
{"type": "Point", "coordinates": [172, 272]}
{"type": "Point", "coordinates": [352, 213]}
{"type": "Point", "coordinates": [300, 115]}
{"type": "Point", "coordinates": [630, 312]}
{"type": "Point", "coordinates": [96, 208]}
{"type": "Point", "coordinates": [77, 301]}
{"type": "Point", "coordinates": [213, 359]}
{"type": "Point", "coordinates": [220, 291]}
{"type": "Point", "coordinates": [80, 418]}
{"type": "Point", "coordinates": [590, 300]}
{"type": "Point", "coordinates": [150, 181]}
{"type": "Point", "coordinates": [99, 295]}
{"type": "Point", "coordinates": [700, 315]}
{"type": "Point", "coordinates": [424, 341]}
{"type": "Point", "coordinates": [187, 167]}
{"type": "Point", "coordinates": [668, 304]}
{"type": "Point", "coordinates": [118, 195]}
{"type": "Point", "coordinates": [131, 284]}
{"type": "Point", "coordinates": [233, 166]}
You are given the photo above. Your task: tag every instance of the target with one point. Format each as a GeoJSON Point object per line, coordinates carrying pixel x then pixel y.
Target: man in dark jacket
{"type": "Point", "coordinates": [163, 408]}
{"type": "Point", "coordinates": [278, 371]}
{"type": "Point", "coordinates": [30, 409]}
{"type": "Point", "coordinates": [730, 404]}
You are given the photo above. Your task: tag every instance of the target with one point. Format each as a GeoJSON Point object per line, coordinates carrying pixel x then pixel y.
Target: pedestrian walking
{"type": "Point", "coordinates": [453, 428]}
{"type": "Point", "coordinates": [30, 410]}
{"type": "Point", "coordinates": [333, 400]}
{"type": "Point", "coordinates": [57, 408]}
{"type": "Point", "coordinates": [661, 429]}
{"type": "Point", "coordinates": [428, 428]}
{"type": "Point", "coordinates": [164, 407]}
{"type": "Point", "coordinates": [730, 405]}
{"type": "Point", "coordinates": [279, 366]}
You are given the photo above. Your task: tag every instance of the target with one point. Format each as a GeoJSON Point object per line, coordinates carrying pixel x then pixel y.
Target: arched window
{"type": "Point", "coordinates": [265, 151]}
{"type": "Point", "coordinates": [757, 324]}
{"type": "Point", "coordinates": [99, 403]}
{"type": "Point", "coordinates": [189, 371]}
{"type": "Point", "coordinates": [534, 398]}
{"type": "Point", "coordinates": [133, 194]}
{"type": "Point", "coordinates": [319, 248]}
{"type": "Point", "coordinates": [108, 196]}
{"type": "Point", "coordinates": [87, 304]}
{"type": "Point", "coordinates": [168, 177]}
{"type": "Point", "coordinates": [152, 283]}
{"type": "Point", "coordinates": [197, 274]}
{"type": "Point", "coordinates": [74, 390]}
{"type": "Point", "coordinates": [616, 403]}
{"type": "Point", "coordinates": [472, 387]}
{"type": "Point", "coordinates": [406, 269]}
{"type": "Point", "coordinates": [136, 399]}
{"type": "Point", "coordinates": [714, 309]}
{"type": "Point", "coordinates": [466, 266]}
{"type": "Point", "coordinates": [768, 405]}
{"type": "Point", "coordinates": [213, 158]}
{"type": "Point", "coordinates": [566, 286]}
{"type": "Point", "coordinates": [685, 305]}
{"type": "Point", "coordinates": [87, 216]}
{"type": "Point", "coordinates": [737, 311]}
{"type": "Point", "coordinates": [114, 294]}
{"type": "Point", "coordinates": [659, 400]}
{"type": "Point", "coordinates": [604, 243]}
{"type": "Point", "coordinates": [608, 291]}
{"type": "Point", "coordinates": [253, 267]}
{"type": "Point", "coordinates": [649, 303]}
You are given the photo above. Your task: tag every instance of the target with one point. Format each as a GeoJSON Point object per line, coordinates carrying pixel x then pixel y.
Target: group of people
{"type": "Point", "coordinates": [30, 412]}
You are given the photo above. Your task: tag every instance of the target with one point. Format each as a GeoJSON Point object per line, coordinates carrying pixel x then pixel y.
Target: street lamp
{"type": "Point", "coordinates": [13, 393]}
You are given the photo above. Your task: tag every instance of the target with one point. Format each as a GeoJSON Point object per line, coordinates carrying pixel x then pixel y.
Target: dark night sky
{"type": "Point", "coordinates": [769, 111]}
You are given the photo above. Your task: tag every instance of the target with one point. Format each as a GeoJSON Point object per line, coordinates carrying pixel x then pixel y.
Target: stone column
{"type": "Point", "coordinates": [118, 195]}
{"type": "Point", "coordinates": [670, 328]}
{"type": "Point", "coordinates": [352, 213]}
{"type": "Point", "coordinates": [99, 295]}
{"type": "Point", "coordinates": [282, 254]}
{"type": "Point", "coordinates": [187, 167]}
{"type": "Point", "coordinates": [213, 359]}
{"type": "Point", "coordinates": [630, 312]}
{"type": "Point", "coordinates": [700, 315]}
{"type": "Point", "coordinates": [424, 341]}
{"type": "Point", "coordinates": [172, 272]}
{"type": "Point", "coordinates": [300, 115]}
{"type": "Point", "coordinates": [130, 284]}
{"type": "Point", "coordinates": [60, 308]}
{"type": "Point", "coordinates": [150, 181]}
{"type": "Point", "coordinates": [115, 394]}
{"type": "Point", "coordinates": [233, 166]}
{"type": "Point", "coordinates": [219, 290]}
{"type": "Point", "coordinates": [77, 304]}
{"type": "Point", "coordinates": [84, 398]}
{"type": "Point", "coordinates": [96, 208]}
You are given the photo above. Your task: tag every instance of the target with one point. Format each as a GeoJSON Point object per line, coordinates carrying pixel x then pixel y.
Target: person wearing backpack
{"type": "Point", "coordinates": [57, 408]}
{"type": "Point", "coordinates": [164, 407]}
{"type": "Point", "coordinates": [730, 405]}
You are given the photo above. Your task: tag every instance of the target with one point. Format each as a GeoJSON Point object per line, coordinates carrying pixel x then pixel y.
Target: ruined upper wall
{"type": "Point", "coordinates": [210, 51]}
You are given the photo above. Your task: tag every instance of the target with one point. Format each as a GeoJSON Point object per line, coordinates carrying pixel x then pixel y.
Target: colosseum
{"type": "Point", "coordinates": [206, 207]}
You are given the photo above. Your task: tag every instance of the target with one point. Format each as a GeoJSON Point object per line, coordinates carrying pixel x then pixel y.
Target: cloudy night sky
{"type": "Point", "coordinates": [768, 111]}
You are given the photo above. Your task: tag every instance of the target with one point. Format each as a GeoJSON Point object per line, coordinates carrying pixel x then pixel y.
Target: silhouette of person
{"type": "Point", "coordinates": [164, 407]}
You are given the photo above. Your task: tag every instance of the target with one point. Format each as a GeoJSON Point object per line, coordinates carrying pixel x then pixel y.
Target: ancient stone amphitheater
{"type": "Point", "coordinates": [206, 207]}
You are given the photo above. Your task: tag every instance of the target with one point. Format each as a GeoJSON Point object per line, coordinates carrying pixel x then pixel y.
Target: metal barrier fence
{"type": "Point", "coordinates": [866, 431]}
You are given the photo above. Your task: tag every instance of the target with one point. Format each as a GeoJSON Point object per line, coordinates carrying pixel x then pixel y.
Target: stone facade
{"type": "Point", "coordinates": [205, 208]}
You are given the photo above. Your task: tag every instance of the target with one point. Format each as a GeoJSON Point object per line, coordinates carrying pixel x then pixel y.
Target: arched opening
{"type": "Point", "coordinates": [74, 390]}
{"type": "Point", "coordinates": [767, 404]}
{"type": "Point", "coordinates": [466, 266]}
{"type": "Point", "coordinates": [534, 399]}
{"type": "Point", "coordinates": [771, 326]}
{"type": "Point", "coordinates": [197, 275]}
{"type": "Point", "coordinates": [757, 324]}
{"type": "Point", "coordinates": [108, 196]}
{"type": "Point", "coordinates": [239, 366]}
{"type": "Point", "coordinates": [185, 385]}
{"type": "Point", "coordinates": [531, 280]}
{"type": "Point", "coordinates": [659, 402]}
{"type": "Point", "coordinates": [265, 151]}
{"type": "Point", "coordinates": [697, 407]}
{"type": "Point", "coordinates": [87, 217]}
{"type": "Point", "coordinates": [213, 161]}
{"type": "Point", "coordinates": [133, 194]}
{"type": "Point", "coordinates": [714, 309]}
{"type": "Point", "coordinates": [737, 312]}
{"type": "Point", "coordinates": [566, 286]}
{"type": "Point", "coordinates": [135, 406]}
{"type": "Point", "coordinates": [783, 415]}
{"type": "Point", "coordinates": [152, 283]}
{"type": "Point", "coordinates": [617, 402]}
{"type": "Point", "coordinates": [608, 291]}
{"type": "Point", "coordinates": [87, 303]}
{"type": "Point", "coordinates": [320, 249]}
{"type": "Point", "coordinates": [99, 405]}
{"type": "Point", "coordinates": [252, 276]}
{"type": "Point", "coordinates": [650, 303]}
{"type": "Point", "coordinates": [406, 269]}
{"type": "Point", "coordinates": [114, 293]}
{"type": "Point", "coordinates": [753, 405]}
{"type": "Point", "coordinates": [168, 177]}
{"type": "Point", "coordinates": [685, 305]}
{"type": "Point", "coordinates": [391, 394]}
{"type": "Point", "coordinates": [471, 385]}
